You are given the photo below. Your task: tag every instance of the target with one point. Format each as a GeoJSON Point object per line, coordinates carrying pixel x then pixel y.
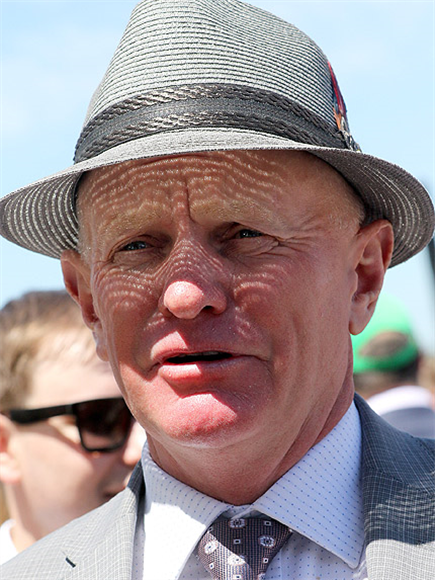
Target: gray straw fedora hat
{"type": "Point", "coordinates": [202, 75]}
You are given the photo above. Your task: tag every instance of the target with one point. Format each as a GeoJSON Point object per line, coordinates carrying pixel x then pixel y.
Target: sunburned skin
{"type": "Point", "coordinates": [222, 288]}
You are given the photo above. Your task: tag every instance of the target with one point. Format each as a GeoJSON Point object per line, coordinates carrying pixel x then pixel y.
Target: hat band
{"type": "Point", "coordinates": [205, 106]}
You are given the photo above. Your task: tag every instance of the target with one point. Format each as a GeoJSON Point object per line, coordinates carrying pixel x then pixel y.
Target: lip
{"type": "Point", "coordinates": [203, 357]}
{"type": "Point", "coordinates": [201, 372]}
{"type": "Point", "coordinates": [189, 357]}
{"type": "Point", "coordinates": [175, 350]}
{"type": "Point", "coordinates": [198, 364]}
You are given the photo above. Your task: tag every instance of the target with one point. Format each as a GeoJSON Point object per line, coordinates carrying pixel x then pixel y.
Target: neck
{"type": "Point", "coordinates": [21, 538]}
{"type": "Point", "coordinates": [25, 530]}
{"type": "Point", "coordinates": [239, 473]}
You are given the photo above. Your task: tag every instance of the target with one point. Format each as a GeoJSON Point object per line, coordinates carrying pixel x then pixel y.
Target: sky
{"type": "Point", "coordinates": [54, 53]}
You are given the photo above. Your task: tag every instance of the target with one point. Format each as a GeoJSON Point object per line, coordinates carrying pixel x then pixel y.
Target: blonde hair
{"type": "Point", "coordinates": [36, 327]}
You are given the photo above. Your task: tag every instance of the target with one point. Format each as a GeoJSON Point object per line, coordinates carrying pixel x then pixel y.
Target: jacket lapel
{"type": "Point", "coordinates": [110, 553]}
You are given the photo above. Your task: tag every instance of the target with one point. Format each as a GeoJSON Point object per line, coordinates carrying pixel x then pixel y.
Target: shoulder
{"type": "Point", "coordinates": [398, 479]}
{"type": "Point", "coordinates": [396, 453]}
{"type": "Point", "coordinates": [55, 555]}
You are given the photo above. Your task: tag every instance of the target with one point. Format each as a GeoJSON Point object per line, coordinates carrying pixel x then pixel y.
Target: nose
{"type": "Point", "coordinates": [132, 450]}
{"type": "Point", "coordinates": [186, 299]}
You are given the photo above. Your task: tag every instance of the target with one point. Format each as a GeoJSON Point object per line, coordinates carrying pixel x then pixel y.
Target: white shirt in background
{"type": "Point", "coordinates": [7, 547]}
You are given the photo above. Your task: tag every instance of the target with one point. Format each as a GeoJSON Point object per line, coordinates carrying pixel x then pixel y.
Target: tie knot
{"type": "Point", "coordinates": [241, 548]}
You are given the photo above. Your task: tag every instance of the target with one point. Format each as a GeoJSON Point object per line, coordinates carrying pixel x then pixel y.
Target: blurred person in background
{"type": "Point", "coordinates": [426, 375]}
{"type": "Point", "coordinates": [389, 368]}
{"type": "Point", "coordinates": [68, 443]}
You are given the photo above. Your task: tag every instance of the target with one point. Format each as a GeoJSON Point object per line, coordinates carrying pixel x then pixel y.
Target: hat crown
{"type": "Point", "coordinates": [171, 43]}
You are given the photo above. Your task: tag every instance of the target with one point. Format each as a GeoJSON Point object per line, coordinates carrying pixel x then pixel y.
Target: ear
{"type": "Point", "coordinates": [77, 278]}
{"type": "Point", "coordinates": [374, 248]}
{"type": "Point", "coordinates": [10, 472]}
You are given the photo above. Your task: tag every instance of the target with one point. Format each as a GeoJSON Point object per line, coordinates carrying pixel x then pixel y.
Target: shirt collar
{"type": "Point", "coordinates": [175, 510]}
{"type": "Point", "coordinates": [320, 497]}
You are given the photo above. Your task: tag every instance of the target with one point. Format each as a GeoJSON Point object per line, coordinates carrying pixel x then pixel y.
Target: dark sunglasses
{"type": "Point", "coordinates": [103, 424]}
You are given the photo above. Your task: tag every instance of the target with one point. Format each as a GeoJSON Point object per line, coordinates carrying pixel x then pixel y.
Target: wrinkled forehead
{"type": "Point", "coordinates": [263, 179]}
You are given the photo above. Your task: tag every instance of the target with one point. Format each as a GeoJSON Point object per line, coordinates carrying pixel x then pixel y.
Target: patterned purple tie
{"type": "Point", "coordinates": [241, 548]}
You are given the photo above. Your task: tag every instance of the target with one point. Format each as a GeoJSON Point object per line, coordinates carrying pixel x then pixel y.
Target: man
{"type": "Point", "coordinates": [56, 464]}
{"type": "Point", "coordinates": [223, 234]}
{"type": "Point", "coordinates": [387, 369]}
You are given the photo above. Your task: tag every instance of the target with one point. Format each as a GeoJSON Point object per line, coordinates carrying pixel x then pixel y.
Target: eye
{"type": "Point", "coordinates": [136, 245]}
{"type": "Point", "coordinates": [246, 233]}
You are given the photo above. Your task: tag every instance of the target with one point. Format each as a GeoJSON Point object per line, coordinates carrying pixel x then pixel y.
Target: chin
{"type": "Point", "coordinates": [204, 421]}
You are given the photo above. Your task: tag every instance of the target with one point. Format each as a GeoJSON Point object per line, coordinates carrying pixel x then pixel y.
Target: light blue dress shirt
{"type": "Point", "coordinates": [319, 498]}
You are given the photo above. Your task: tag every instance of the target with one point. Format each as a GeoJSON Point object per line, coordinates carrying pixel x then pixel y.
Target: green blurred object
{"type": "Point", "coordinates": [387, 343]}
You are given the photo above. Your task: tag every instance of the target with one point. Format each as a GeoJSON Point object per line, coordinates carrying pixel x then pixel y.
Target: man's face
{"type": "Point", "coordinates": [59, 480]}
{"type": "Point", "coordinates": [220, 286]}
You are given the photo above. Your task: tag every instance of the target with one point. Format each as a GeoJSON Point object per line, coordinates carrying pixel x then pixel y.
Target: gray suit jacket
{"type": "Point", "coordinates": [399, 506]}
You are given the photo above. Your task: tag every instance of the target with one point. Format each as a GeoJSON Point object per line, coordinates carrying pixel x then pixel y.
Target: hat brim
{"type": "Point", "coordinates": [41, 217]}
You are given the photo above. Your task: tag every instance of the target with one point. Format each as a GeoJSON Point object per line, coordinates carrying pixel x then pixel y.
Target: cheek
{"type": "Point", "coordinates": [117, 291]}
{"type": "Point", "coordinates": [46, 458]}
{"type": "Point", "coordinates": [126, 305]}
{"type": "Point", "coordinates": [123, 301]}
{"type": "Point", "coordinates": [274, 297]}
{"type": "Point", "coordinates": [304, 306]}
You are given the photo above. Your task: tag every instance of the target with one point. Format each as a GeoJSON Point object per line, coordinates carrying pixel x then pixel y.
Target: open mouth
{"type": "Point", "coordinates": [207, 356]}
